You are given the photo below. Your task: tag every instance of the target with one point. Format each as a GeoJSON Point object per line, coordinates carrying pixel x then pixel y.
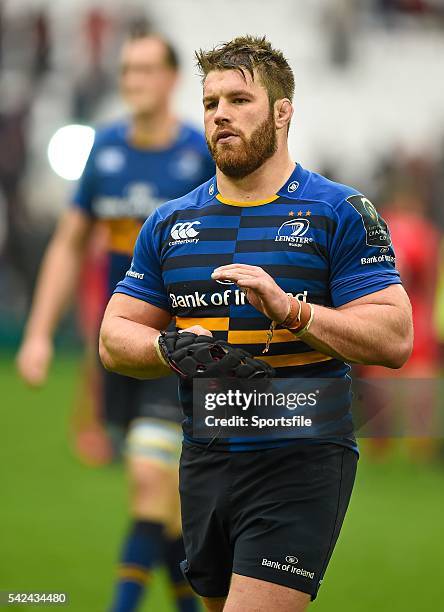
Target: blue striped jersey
{"type": "Point", "coordinates": [321, 241]}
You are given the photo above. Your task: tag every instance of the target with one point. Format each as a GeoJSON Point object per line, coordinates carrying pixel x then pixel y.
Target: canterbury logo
{"type": "Point", "coordinates": [181, 231]}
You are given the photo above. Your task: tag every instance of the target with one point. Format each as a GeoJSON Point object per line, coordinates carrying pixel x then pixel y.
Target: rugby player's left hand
{"type": "Point", "coordinates": [261, 290]}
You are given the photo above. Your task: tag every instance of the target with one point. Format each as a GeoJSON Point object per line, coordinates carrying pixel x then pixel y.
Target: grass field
{"type": "Point", "coordinates": [62, 523]}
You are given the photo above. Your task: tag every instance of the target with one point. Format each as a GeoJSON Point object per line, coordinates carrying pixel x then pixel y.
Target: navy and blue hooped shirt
{"type": "Point", "coordinates": [321, 241]}
{"type": "Point", "coordinates": [122, 184]}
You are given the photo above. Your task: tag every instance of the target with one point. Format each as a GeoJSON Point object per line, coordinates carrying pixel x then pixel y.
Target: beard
{"type": "Point", "coordinates": [248, 154]}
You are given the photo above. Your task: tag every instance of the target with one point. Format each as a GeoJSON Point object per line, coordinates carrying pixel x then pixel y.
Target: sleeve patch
{"type": "Point", "coordinates": [376, 231]}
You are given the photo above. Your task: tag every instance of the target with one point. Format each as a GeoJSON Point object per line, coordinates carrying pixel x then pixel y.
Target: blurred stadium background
{"type": "Point", "coordinates": [369, 111]}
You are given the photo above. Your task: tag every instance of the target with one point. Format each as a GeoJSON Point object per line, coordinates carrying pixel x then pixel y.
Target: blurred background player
{"type": "Point", "coordinates": [133, 167]}
{"type": "Point", "coordinates": [416, 240]}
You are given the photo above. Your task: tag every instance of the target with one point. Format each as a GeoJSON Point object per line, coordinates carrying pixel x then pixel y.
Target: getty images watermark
{"type": "Point", "coordinates": [252, 401]}
{"type": "Point", "coordinates": [281, 408]}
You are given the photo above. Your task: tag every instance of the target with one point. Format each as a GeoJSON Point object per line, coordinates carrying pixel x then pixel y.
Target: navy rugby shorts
{"type": "Point", "coordinates": [273, 514]}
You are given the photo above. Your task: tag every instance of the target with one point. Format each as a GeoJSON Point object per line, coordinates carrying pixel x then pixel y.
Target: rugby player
{"type": "Point", "coordinates": [134, 166]}
{"type": "Point", "coordinates": [251, 508]}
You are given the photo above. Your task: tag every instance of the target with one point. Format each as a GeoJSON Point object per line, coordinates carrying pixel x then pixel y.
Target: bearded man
{"type": "Point", "coordinates": [316, 283]}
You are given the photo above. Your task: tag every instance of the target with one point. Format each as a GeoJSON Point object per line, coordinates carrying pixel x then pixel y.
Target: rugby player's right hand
{"type": "Point", "coordinates": [33, 360]}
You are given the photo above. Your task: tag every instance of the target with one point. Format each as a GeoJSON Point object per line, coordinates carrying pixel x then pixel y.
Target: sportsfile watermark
{"type": "Point", "coordinates": [318, 408]}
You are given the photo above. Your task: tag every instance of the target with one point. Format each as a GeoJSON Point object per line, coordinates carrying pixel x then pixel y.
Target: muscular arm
{"type": "Point", "coordinates": [55, 285]}
{"type": "Point", "coordinates": [127, 335]}
{"type": "Point", "coordinates": [126, 344]}
{"type": "Point", "coordinates": [375, 329]}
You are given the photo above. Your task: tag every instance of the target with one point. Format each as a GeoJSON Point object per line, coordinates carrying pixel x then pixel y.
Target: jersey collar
{"type": "Point", "coordinates": [294, 185]}
{"type": "Point", "coordinates": [252, 203]}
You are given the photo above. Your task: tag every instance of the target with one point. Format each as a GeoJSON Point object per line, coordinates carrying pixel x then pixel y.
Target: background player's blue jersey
{"type": "Point", "coordinates": [321, 241]}
{"type": "Point", "coordinates": [122, 184]}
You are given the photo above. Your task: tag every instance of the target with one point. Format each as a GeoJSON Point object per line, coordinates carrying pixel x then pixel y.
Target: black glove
{"type": "Point", "coordinates": [192, 356]}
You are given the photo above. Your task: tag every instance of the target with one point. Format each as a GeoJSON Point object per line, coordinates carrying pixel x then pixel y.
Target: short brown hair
{"type": "Point", "coordinates": [141, 28]}
{"type": "Point", "coordinates": [250, 53]}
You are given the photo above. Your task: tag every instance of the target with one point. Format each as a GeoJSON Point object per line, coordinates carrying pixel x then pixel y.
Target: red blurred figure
{"type": "Point", "coordinates": [416, 242]}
